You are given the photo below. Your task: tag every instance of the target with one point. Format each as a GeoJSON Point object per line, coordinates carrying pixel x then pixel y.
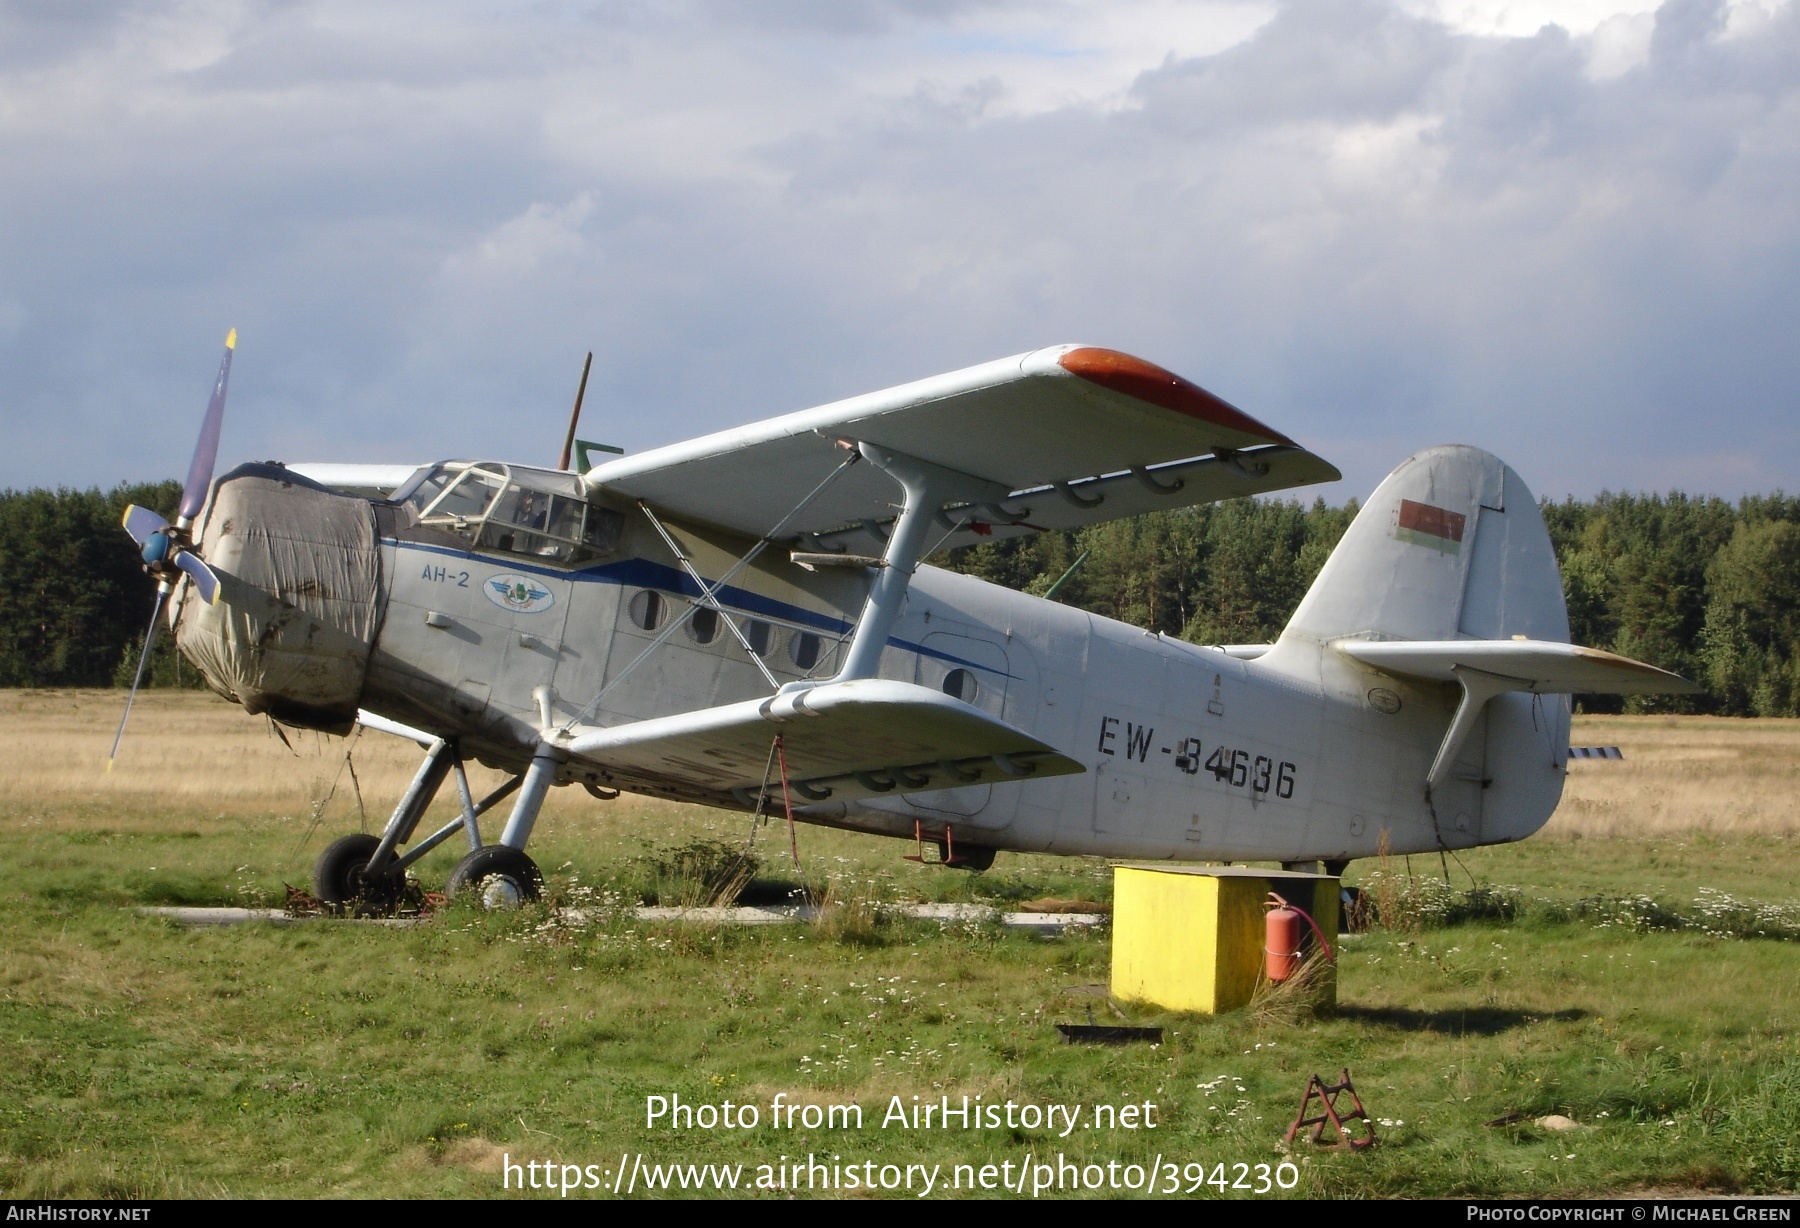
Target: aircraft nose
{"type": "Point", "coordinates": [300, 597]}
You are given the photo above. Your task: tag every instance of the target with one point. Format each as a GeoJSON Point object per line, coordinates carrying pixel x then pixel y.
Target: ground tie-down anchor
{"type": "Point", "coordinates": [1331, 1115]}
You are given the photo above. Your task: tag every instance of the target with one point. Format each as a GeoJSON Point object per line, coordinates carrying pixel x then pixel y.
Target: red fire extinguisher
{"type": "Point", "coordinates": [1283, 936]}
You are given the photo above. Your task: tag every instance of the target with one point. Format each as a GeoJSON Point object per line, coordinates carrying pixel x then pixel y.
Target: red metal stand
{"type": "Point", "coordinates": [1328, 1094]}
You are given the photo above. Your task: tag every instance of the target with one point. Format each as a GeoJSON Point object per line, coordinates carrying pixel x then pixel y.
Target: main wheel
{"type": "Point", "coordinates": [339, 878]}
{"type": "Point", "coordinates": [500, 877]}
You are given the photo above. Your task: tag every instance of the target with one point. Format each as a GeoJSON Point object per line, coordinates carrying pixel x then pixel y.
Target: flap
{"type": "Point", "coordinates": [842, 741]}
{"type": "Point", "coordinates": [1536, 665]}
{"type": "Point", "coordinates": [1074, 415]}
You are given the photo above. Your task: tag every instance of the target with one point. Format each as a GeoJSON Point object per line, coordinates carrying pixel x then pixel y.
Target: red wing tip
{"type": "Point", "coordinates": [1145, 381]}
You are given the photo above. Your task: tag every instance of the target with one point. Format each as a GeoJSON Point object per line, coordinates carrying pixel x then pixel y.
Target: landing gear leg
{"type": "Point", "coordinates": [368, 874]}
{"type": "Point", "coordinates": [356, 871]}
{"type": "Point", "coordinates": [501, 875]}
{"type": "Point", "coordinates": [439, 756]}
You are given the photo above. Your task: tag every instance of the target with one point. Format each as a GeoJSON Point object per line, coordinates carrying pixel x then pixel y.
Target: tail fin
{"type": "Point", "coordinates": [1450, 546]}
{"type": "Point", "coordinates": [1450, 549]}
{"type": "Point", "coordinates": [1446, 589]}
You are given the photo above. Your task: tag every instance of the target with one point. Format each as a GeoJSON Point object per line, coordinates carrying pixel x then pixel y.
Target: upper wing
{"type": "Point", "coordinates": [841, 740]}
{"type": "Point", "coordinates": [1538, 665]}
{"type": "Point", "coordinates": [1066, 436]}
{"type": "Point", "coordinates": [370, 481]}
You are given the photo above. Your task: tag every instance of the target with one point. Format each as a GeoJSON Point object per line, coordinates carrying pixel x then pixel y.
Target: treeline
{"type": "Point", "coordinates": [74, 599]}
{"type": "Point", "coordinates": [1697, 585]}
{"type": "Point", "coordinates": [1701, 586]}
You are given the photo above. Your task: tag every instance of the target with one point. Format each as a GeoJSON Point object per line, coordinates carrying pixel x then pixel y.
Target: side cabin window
{"type": "Point", "coordinates": [535, 514]}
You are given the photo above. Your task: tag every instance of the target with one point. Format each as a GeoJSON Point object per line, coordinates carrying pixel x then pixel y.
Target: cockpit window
{"type": "Point", "coordinates": [534, 514]}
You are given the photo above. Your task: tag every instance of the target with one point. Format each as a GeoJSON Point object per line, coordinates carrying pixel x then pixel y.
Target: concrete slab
{"type": "Point", "coordinates": [748, 914]}
{"type": "Point", "coordinates": [219, 916]}
{"type": "Point", "coordinates": [751, 914]}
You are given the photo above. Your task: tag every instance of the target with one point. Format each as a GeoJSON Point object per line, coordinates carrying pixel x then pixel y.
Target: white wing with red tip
{"type": "Point", "coordinates": [1060, 437]}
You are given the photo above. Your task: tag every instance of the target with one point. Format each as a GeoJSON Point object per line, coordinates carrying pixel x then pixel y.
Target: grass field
{"type": "Point", "coordinates": [1596, 978]}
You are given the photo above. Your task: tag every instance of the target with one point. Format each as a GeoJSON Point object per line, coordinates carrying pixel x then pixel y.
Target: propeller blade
{"type": "Point", "coordinates": [206, 581]}
{"type": "Point", "coordinates": [137, 678]}
{"type": "Point", "coordinates": [141, 522]}
{"type": "Point", "coordinates": [206, 451]}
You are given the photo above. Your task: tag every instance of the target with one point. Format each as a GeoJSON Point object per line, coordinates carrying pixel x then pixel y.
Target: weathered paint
{"type": "Point", "coordinates": [1190, 938]}
{"type": "Point", "coordinates": [1192, 753]}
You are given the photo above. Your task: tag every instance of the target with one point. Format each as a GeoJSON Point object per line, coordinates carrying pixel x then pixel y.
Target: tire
{"type": "Point", "coordinates": [338, 878]}
{"type": "Point", "coordinates": [500, 877]}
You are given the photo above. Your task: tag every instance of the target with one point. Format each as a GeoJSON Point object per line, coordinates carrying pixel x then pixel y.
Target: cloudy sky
{"type": "Point", "coordinates": [1568, 232]}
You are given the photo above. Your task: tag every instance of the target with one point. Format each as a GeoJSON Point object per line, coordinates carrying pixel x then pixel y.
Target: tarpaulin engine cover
{"type": "Point", "coordinates": [300, 597]}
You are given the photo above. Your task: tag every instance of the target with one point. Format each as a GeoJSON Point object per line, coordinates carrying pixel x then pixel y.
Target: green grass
{"type": "Point", "coordinates": [338, 1058]}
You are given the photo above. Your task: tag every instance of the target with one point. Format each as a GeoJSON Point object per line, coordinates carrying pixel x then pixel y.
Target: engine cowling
{"type": "Point", "coordinates": [301, 597]}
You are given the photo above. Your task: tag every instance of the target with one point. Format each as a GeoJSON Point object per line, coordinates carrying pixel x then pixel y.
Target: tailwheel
{"type": "Point", "coordinates": [498, 876]}
{"type": "Point", "coordinates": [340, 879]}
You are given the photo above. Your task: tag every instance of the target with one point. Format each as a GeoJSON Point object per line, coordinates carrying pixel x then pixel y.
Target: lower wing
{"type": "Point", "coordinates": [840, 741]}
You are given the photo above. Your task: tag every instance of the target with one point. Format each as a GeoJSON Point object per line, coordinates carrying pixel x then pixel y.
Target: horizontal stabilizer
{"type": "Point", "coordinates": [1057, 438]}
{"type": "Point", "coordinates": [841, 740]}
{"type": "Point", "coordinates": [1542, 666]}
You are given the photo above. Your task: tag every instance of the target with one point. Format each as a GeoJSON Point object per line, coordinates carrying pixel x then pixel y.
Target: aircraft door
{"type": "Point", "coordinates": [520, 622]}
{"type": "Point", "coordinates": [1119, 795]}
{"type": "Point", "coordinates": [963, 667]}
{"type": "Point", "coordinates": [1126, 735]}
{"type": "Point", "coordinates": [976, 672]}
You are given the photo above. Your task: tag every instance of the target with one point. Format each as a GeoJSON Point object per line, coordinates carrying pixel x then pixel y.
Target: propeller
{"type": "Point", "coordinates": [167, 549]}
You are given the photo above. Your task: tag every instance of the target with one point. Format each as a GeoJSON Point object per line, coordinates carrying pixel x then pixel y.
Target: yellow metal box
{"type": "Point", "coordinates": [1190, 938]}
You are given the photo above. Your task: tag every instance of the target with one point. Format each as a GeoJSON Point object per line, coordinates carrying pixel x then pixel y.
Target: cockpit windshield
{"type": "Point", "coordinates": [534, 513]}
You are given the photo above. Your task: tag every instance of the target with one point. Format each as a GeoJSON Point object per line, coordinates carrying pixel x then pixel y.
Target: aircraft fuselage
{"type": "Point", "coordinates": [1193, 753]}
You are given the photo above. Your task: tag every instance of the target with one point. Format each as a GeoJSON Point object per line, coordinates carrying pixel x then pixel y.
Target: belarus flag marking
{"type": "Point", "coordinates": [1425, 525]}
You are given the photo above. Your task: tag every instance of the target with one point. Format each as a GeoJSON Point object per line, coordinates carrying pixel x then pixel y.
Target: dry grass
{"type": "Point", "coordinates": [1310, 992]}
{"type": "Point", "coordinates": [190, 750]}
{"type": "Point", "coordinates": [1682, 775]}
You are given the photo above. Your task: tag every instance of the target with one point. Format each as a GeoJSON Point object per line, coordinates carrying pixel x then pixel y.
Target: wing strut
{"type": "Point", "coordinates": [928, 487]}
{"type": "Point", "coordinates": [787, 801]}
{"type": "Point", "coordinates": [706, 595]}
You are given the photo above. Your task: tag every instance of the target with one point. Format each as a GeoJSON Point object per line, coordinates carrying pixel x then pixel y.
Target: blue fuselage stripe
{"type": "Point", "coordinates": [643, 573]}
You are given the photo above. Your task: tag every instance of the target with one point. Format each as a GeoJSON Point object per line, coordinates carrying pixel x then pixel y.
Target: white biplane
{"type": "Point", "coordinates": [744, 620]}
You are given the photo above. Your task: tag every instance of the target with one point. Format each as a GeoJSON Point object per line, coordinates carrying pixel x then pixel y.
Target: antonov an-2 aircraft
{"type": "Point", "coordinates": [744, 621]}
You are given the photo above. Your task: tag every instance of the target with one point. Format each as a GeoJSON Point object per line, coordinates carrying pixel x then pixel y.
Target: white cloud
{"type": "Point", "coordinates": [1378, 226]}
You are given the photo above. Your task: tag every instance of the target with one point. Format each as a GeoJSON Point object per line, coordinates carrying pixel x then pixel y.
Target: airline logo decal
{"type": "Point", "coordinates": [520, 594]}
